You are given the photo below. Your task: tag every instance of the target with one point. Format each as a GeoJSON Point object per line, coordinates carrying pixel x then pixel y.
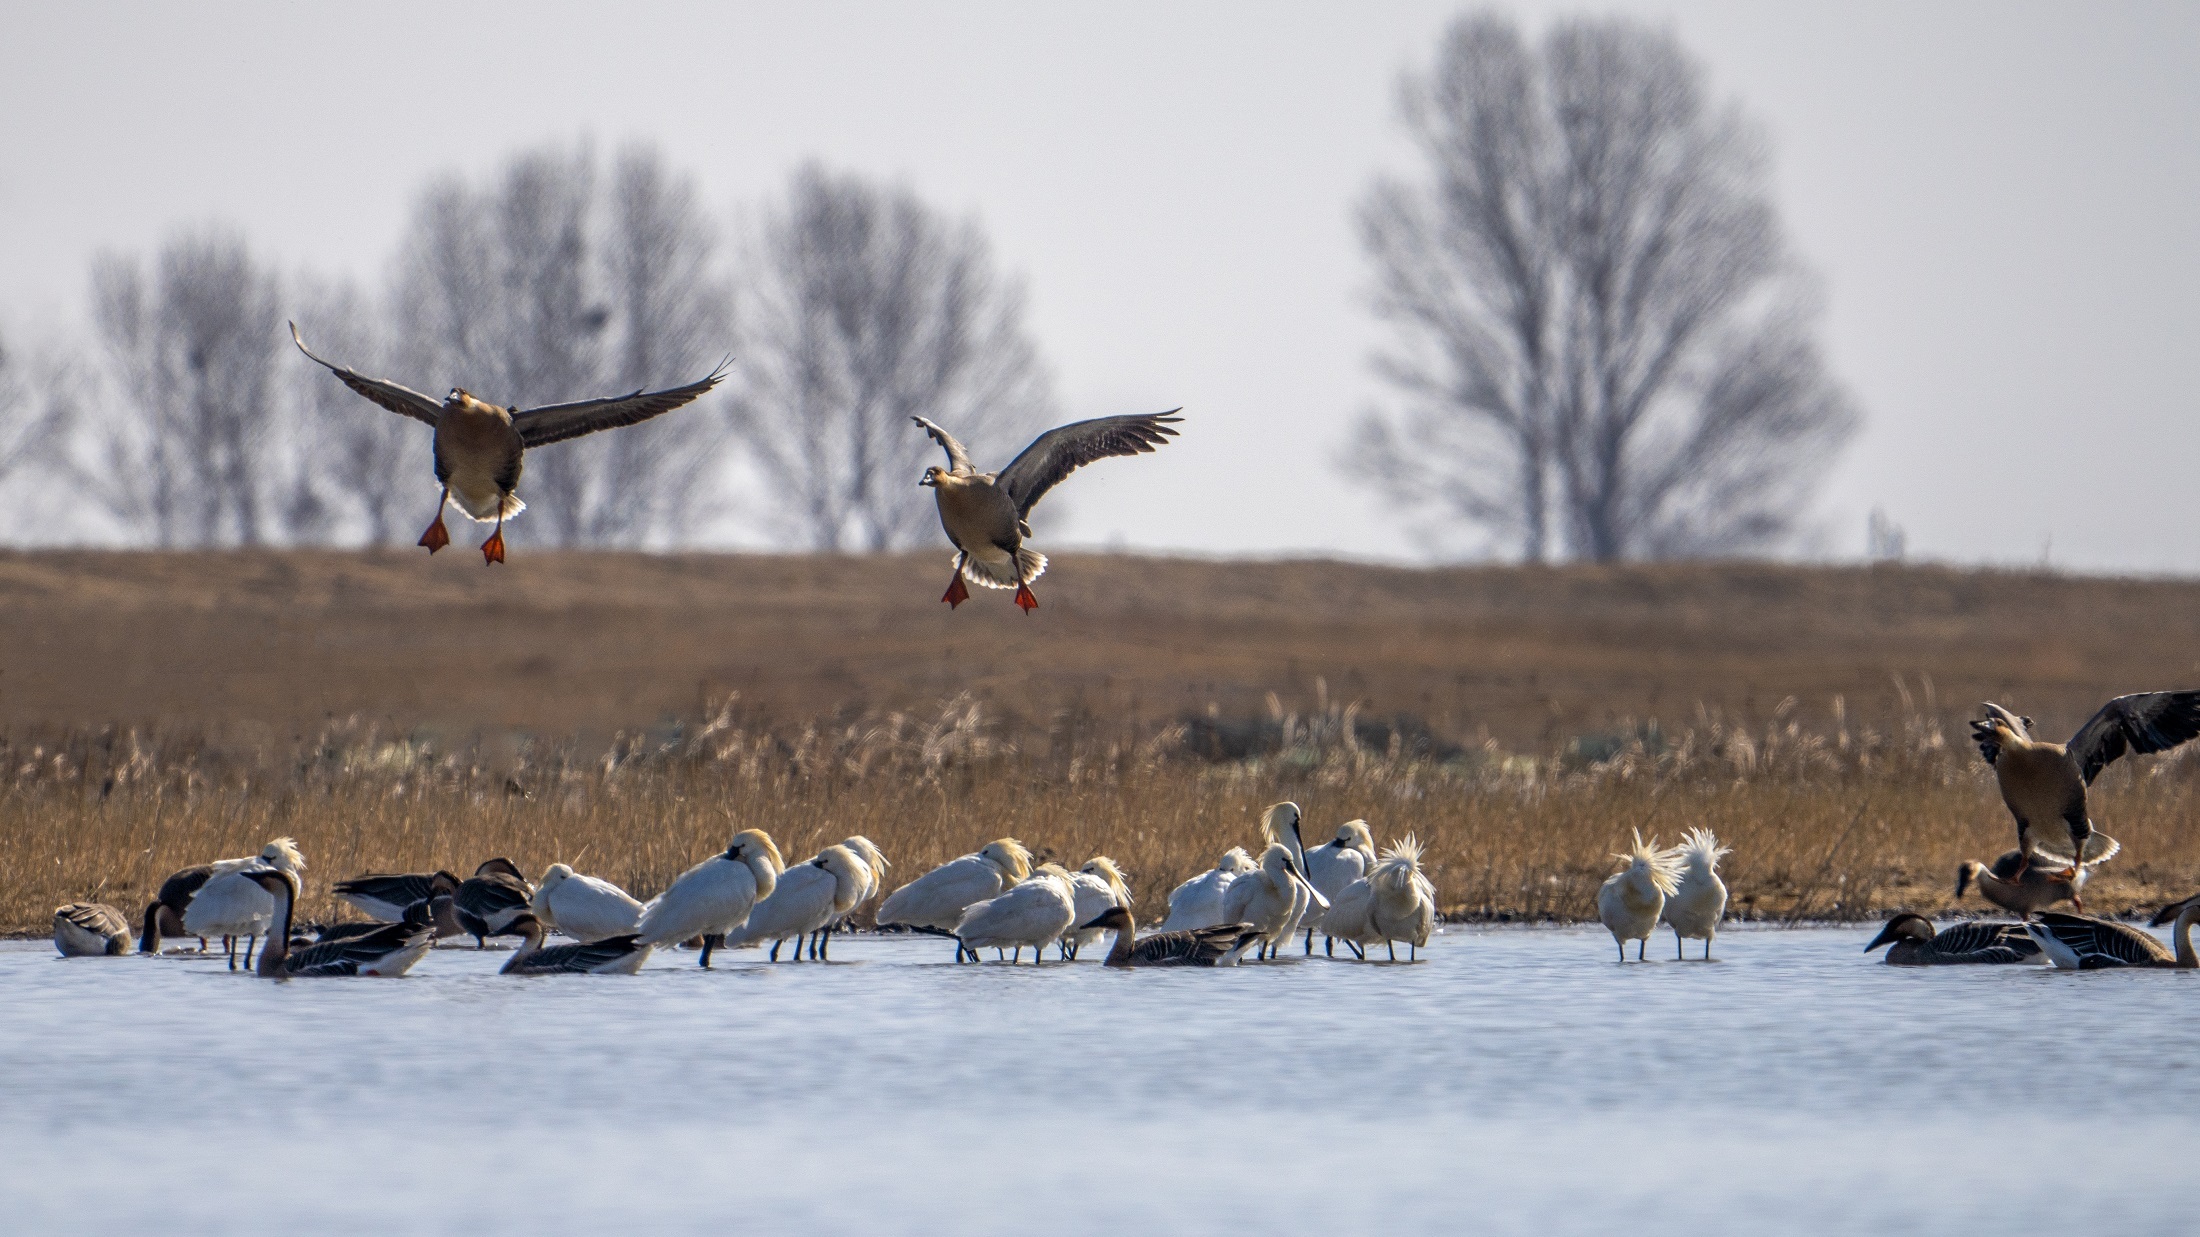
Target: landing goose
{"type": "Point", "coordinates": [90, 930]}
{"type": "Point", "coordinates": [2044, 784]}
{"type": "Point", "coordinates": [714, 897]}
{"type": "Point", "coordinates": [478, 445]}
{"type": "Point", "coordinates": [1630, 901]}
{"type": "Point", "coordinates": [805, 899]}
{"type": "Point", "coordinates": [1394, 902]}
{"type": "Point", "coordinates": [985, 513]}
{"type": "Point", "coordinates": [489, 900]}
{"type": "Point", "coordinates": [1095, 887]}
{"type": "Point", "coordinates": [586, 908]}
{"type": "Point", "coordinates": [1911, 941]}
{"type": "Point", "coordinates": [383, 896]}
{"type": "Point", "coordinates": [1698, 900]}
{"type": "Point", "coordinates": [2021, 889]}
{"type": "Point", "coordinates": [1221, 945]}
{"type": "Point", "coordinates": [2082, 943]}
{"type": "Point", "coordinates": [614, 955]}
{"type": "Point", "coordinates": [935, 901]}
{"type": "Point", "coordinates": [1035, 913]}
{"type": "Point", "coordinates": [390, 949]}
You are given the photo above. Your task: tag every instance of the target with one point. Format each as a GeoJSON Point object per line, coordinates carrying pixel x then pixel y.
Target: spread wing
{"type": "Point", "coordinates": [1060, 452]}
{"type": "Point", "coordinates": [400, 399]}
{"type": "Point", "coordinates": [958, 460]}
{"type": "Point", "coordinates": [2140, 724]}
{"type": "Point", "coordinates": [558, 422]}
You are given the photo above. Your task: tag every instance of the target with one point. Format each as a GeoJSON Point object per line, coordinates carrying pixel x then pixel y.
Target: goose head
{"type": "Point", "coordinates": [933, 477]}
{"type": "Point", "coordinates": [1115, 918]}
{"type": "Point", "coordinates": [1905, 924]}
{"type": "Point", "coordinates": [506, 867]}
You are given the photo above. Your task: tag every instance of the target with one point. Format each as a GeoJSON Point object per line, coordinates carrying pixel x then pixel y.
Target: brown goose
{"type": "Point", "coordinates": [2082, 943]}
{"type": "Point", "coordinates": [390, 949]}
{"type": "Point", "coordinates": [383, 896]}
{"type": "Point", "coordinates": [2044, 783]}
{"type": "Point", "coordinates": [985, 513]}
{"type": "Point", "coordinates": [1219, 946]}
{"type": "Point", "coordinates": [488, 902]}
{"type": "Point", "coordinates": [90, 930]}
{"type": "Point", "coordinates": [164, 914]}
{"type": "Point", "coordinates": [478, 445]}
{"type": "Point", "coordinates": [2022, 890]}
{"type": "Point", "coordinates": [614, 955]}
{"type": "Point", "coordinates": [1911, 941]}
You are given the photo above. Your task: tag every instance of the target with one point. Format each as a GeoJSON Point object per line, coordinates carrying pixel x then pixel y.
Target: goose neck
{"type": "Point", "coordinates": [2181, 935]}
{"type": "Point", "coordinates": [276, 948]}
{"type": "Point", "coordinates": [149, 940]}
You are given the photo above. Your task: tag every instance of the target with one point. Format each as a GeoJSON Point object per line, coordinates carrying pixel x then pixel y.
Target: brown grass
{"type": "Point", "coordinates": [164, 710]}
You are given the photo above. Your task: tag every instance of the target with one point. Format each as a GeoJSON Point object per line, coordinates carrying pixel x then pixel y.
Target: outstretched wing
{"type": "Point", "coordinates": [1060, 452]}
{"type": "Point", "coordinates": [958, 460]}
{"type": "Point", "coordinates": [400, 399]}
{"type": "Point", "coordinates": [2140, 724]}
{"type": "Point", "coordinates": [558, 422]}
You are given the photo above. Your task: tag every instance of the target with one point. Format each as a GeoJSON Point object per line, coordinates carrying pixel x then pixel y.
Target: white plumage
{"type": "Point", "coordinates": [1197, 903]}
{"type": "Point", "coordinates": [1096, 887]}
{"type": "Point", "coordinates": [231, 904]}
{"type": "Point", "coordinates": [1630, 902]}
{"type": "Point", "coordinates": [874, 869]}
{"type": "Point", "coordinates": [712, 898]}
{"type": "Point", "coordinates": [1394, 902]}
{"type": "Point", "coordinates": [1271, 897]}
{"type": "Point", "coordinates": [1034, 913]}
{"type": "Point", "coordinates": [586, 908]}
{"type": "Point", "coordinates": [938, 898]}
{"type": "Point", "coordinates": [1334, 865]}
{"type": "Point", "coordinates": [807, 898]}
{"type": "Point", "coordinates": [1698, 900]}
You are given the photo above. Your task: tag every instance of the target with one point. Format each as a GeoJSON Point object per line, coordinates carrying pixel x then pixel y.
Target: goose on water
{"type": "Point", "coordinates": [1630, 901]}
{"type": "Point", "coordinates": [807, 898]}
{"type": "Point", "coordinates": [1911, 941]}
{"type": "Point", "coordinates": [90, 930]}
{"type": "Point", "coordinates": [164, 914]}
{"type": "Point", "coordinates": [384, 896]}
{"type": "Point", "coordinates": [489, 900]}
{"type": "Point", "coordinates": [2022, 889]}
{"type": "Point", "coordinates": [1698, 900]}
{"type": "Point", "coordinates": [390, 949]}
{"type": "Point", "coordinates": [935, 901]}
{"type": "Point", "coordinates": [1221, 945]}
{"type": "Point", "coordinates": [1334, 865]}
{"type": "Point", "coordinates": [1197, 903]}
{"type": "Point", "coordinates": [437, 912]}
{"type": "Point", "coordinates": [1394, 902]}
{"type": "Point", "coordinates": [2082, 943]}
{"type": "Point", "coordinates": [1096, 886]}
{"type": "Point", "coordinates": [2044, 784]}
{"type": "Point", "coordinates": [1035, 913]}
{"type": "Point", "coordinates": [478, 445]}
{"type": "Point", "coordinates": [586, 908]}
{"type": "Point", "coordinates": [985, 513]}
{"type": "Point", "coordinates": [614, 955]}
{"type": "Point", "coordinates": [714, 897]}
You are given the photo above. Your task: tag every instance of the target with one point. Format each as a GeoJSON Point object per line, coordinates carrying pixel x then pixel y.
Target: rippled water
{"type": "Point", "coordinates": [1516, 1080]}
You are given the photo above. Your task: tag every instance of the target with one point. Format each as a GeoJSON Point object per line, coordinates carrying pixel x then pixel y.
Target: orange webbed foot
{"type": "Point", "coordinates": [492, 550]}
{"type": "Point", "coordinates": [437, 536]}
{"type": "Point", "coordinates": [957, 592]}
{"type": "Point", "coordinates": [1025, 599]}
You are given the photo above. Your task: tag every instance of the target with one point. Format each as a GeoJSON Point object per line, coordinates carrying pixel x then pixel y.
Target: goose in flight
{"type": "Point", "coordinates": [478, 445]}
{"type": "Point", "coordinates": [2044, 783]}
{"type": "Point", "coordinates": [985, 513]}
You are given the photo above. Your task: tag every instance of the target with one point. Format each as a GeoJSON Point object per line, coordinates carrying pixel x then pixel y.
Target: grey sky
{"type": "Point", "coordinates": [2001, 198]}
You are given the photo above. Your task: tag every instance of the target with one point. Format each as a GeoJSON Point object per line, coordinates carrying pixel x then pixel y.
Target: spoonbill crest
{"type": "Point", "coordinates": [1698, 899]}
{"type": "Point", "coordinates": [1630, 902]}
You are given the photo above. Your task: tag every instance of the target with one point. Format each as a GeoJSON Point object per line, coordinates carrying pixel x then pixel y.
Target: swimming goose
{"type": "Point", "coordinates": [1630, 901]}
{"type": "Point", "coordinates": [1096, 886]}
{"type": "Point", "coordinates": [164, 914]}
{"type": "Point", "coordinates": [232, 904]}
{"type": "Point", "coordinates": [615, 955]}
{"type": "Point", "coordinates": [2082, 943]}
{"type": "Point", "coordinates": [805, 899]}
{"type": "Point", "coordinates": [90, 930]}
{"type": "Point", "coordinates": [489, 900]}
{"type": "Point", "coordinates": [1334, 865]}
{"type": "Point", "coordinates": [712, 898]}
{"type": "Point", "coordinates": [1698, 900]}
{"type": "Point", "coordinates": [384, 896]}
{"type": "Point", "coordinates": [936, 900]}
{"type": "Point", "coordinates": [478, 445]}
{"type": "Point", "coordinates": [1197, 903]}
{"type": "Point", "coordinates": [1036, 912]}
{"type": "Point", "coordinates": [1911, 941]}
{"type": "Point", "coordinates": [985, 513]}
{"type": "Point", "coordinates": [2014, 886]}
{"type": "Point", "coordinates": [1271, 898]}
{"type": "Point", "coordinates": [1221, 945]}
{"type": "Point", "coordinates": [390, 949]}
{"type": "Point", "coordinates": [586, 908]}
{"type": "Point", "coordinates": [2044, 784]}
{"type": "Point", "coordinates": [1394, 902]}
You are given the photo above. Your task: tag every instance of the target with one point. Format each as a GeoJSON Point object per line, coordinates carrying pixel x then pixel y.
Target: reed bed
{"type": "Point", "coordinates": [1826, 823]}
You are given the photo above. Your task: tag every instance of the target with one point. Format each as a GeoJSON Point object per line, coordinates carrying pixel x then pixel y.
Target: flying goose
{"type": "Point", "coordinates": [1394, 902]}
{"type": "Point", "coordinates": [383, 896]}
{"type": "Point", "coordinates": [478, 445]}
{"type": "Point", "coordinates": [1698, 900]}
{"type": "Point", "coordinates": [614, 955]}
{"type": "Point", "coordinates": [90, 930]}
{"type": "Point", "coordinates": [491, 898]}
{"type": "Point", "coordinates": [986, 513]}
{"type": "Point", "coordinates": [1911, 941]}
{"type": "Point", "coordinates": [2082, 943]}
{"type": "Point", "coordinates": [2020, 889]}
{"type": "Point", "coordinates": [714, 897]}
{"type": "Point", "coordinates": [2044, 783]}
{"type": "Point", "coordinates": [1221, 945]}
{"type": "Point", "coordinates": [390, 949]}
{"type": "Point", "coordinates": [1631, 900]}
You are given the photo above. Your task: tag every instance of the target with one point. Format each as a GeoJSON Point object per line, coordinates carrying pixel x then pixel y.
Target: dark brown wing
{"type": "Point", "coordinates": [1060, 452]}
{"type": "Point", "coordinates": [346, 956]}
{"type": "Point", "coordinates": [2099, 943]}
{"type": "Point", "coordinates": [579, 959]}
{"type": "Point", "coordinates": [400, 399]}
{"type": "Point", "coordinates": [558, 422]}
{"type": "Point", "coordinates": [958, 460]}
{"type": "Point", "coordinates": [1979, 936]}
{"type": "Point", "coordinates": [2140, 724]}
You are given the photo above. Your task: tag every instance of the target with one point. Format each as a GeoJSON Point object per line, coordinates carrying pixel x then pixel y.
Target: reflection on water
{"type": "Point", "coordinates": [1515, 1080]}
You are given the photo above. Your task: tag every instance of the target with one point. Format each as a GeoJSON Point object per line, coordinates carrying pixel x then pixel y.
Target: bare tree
{"type": "Point", "coordinates": [38, 410]}
{"type": "Point", "coordinates": [535, 291]}
{"type": "Point", "coordinates": [864, 308]}
{"type": "Point", "coordinates": [1601, 336]}
{"type": "Point", "coordinates": [367, 461]}
{"type": "Point", "coordinates": [187, 457]}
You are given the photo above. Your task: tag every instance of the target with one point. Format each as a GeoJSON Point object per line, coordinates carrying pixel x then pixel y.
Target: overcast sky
{"type": "Point", "coordinates": [2003, 200]}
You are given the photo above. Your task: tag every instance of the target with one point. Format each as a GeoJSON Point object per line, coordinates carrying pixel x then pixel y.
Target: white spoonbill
{"type": "Point", "coordinates": [1698, 900]}
{"type": "Point", "coordinates": [1334, 865]}
{"type": "Point", "coordinates": [809, 897]}
{"type": "Point", "coordinates": [90, 930]}
{"type": "Point", "coordinates": [936, 900]}
{"type": "Point", "coordinates": [614, 955]}
{"type": "Point", "coordinates": [715, 896]}
{"type": "Point", "coordinates": [231, 904]}
{"type": "Point", "coordinates": [586, 908]}
{"type": "Point", "coordinates": [1630, 902]}
{"type": "Point", "coordinates": [1096, 886]}
{"type": "Point", "coordinates": [390, 949]}
{"type": "Point", "coordinates": [1271, 898]}
{"type": "Point", "coordinates": [1394, 902]}
{"type": "Point", "coordinates": [1037, 911]}
{"type": "Point", "coordinates": [1197, 903]}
